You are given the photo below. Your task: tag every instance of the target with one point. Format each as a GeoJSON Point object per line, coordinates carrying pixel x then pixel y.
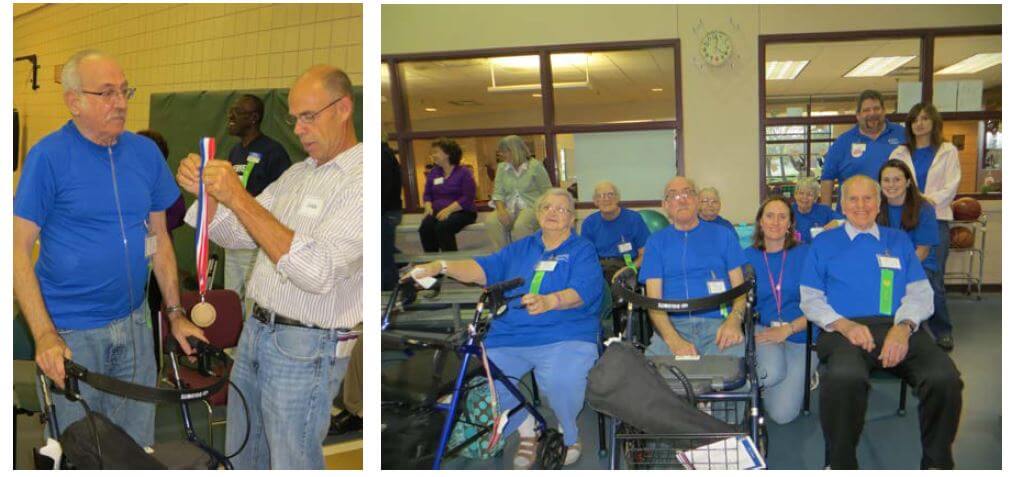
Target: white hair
{"type": "Point", "coordinates": [712, 190]}
{"type": "Point", "coordinates": [556, 191]}
{"type": "Point", "coordinates": [857, 178]}
{"type": "Point", "coordinates": [71, 75]}
{"type": "Point", "coordinates": [809, 183]}
{"type": "Point", "coordinates": [611, 184]}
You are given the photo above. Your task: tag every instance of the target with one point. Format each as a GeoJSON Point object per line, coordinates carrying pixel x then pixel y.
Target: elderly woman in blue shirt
{"type": "Point", "coordinates": [777, 259]}
{"type": "Point", "coordinates": [552, 327]}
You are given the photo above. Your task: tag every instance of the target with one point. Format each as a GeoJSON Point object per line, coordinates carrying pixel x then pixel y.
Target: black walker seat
{"type": "Point", "coordinates": [725, 387]}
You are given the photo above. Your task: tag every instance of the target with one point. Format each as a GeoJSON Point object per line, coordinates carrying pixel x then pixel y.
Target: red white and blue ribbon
{"type": "Point", "coordinates": [206, 154]}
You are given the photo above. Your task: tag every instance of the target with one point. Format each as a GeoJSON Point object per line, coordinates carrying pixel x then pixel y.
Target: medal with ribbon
{"type": "Point", "coordinates": [203, 313]}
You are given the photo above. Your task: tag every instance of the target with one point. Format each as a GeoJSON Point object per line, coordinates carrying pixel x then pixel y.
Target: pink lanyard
{"type": "Point", "coordinates": [206, 153]}
{"type": "Point", "coordinates": [777, 293]}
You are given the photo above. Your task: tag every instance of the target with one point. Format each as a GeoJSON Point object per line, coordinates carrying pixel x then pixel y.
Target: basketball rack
{"type": "Point", "coordinates": [974, 255]}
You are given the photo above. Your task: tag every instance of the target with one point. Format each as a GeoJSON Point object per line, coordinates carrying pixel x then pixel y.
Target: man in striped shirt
{"type": "Point", "coordinates": [306, 282]}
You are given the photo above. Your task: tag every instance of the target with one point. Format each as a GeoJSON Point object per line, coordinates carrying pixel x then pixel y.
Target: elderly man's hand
{"type": "Point", "coordinates": [682, 347]}
{"type": "Point", "coordinates": [537, 304]}
{"type": "Point", "coordinates": [859, 335]}
{"type": "Point", "coordinates": [221, 181]}
{"type": "Point", "coordinates": [188, 174]}
{"type": "Point", "coordinates": [896, 345]}
{"type": "Point", "coordinates": [730, 332]}
{"type": "Point", "coordinates": [50, 351]}
{"type": "Point", "coordinates": [183, 328]}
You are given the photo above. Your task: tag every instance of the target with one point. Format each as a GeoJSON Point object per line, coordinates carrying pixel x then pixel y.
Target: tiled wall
{"type": "Point", "coordinates": [181, 47]}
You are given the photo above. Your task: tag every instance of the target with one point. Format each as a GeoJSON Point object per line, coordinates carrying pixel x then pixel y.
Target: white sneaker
{"type": "Point", "coordinates": [573, 453]}
{"type": "Point", "coordinates": [815, 381]}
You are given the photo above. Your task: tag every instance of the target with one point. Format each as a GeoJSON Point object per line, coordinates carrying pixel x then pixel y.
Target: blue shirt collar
{"type": "Point", "coordinates": [854, 232]}
{"type": "Point", "coordinates": [541, 244]}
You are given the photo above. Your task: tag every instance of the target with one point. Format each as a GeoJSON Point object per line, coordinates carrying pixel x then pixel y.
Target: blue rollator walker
{"type": "Point", "coordinates": [492, 303]}
{"type": "Point", "coordinates": [721, 386]}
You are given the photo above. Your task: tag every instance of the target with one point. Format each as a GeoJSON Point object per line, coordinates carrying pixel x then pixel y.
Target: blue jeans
{"type": "Point", "coordinates": [940, 323]}
{"type": "Point", "coordinates": [122, 349]}
{"type": "Point", "coordinates": [561, 372]}
{"type": "Point", "coordinates": [701, 332]}
{"type": "Point", "coordinates": [782, 377]}
{"type": "Point", "coordinates": [289, 377]}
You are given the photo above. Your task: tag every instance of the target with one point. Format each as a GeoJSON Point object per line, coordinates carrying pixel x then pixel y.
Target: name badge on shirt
{"type": "Point", "coordinates": [311, 207]}
{"type": "Point", "coordinates": [892, 263]}
{"type": "Point", "coordinates": [776, 323]}
{"type": "Point", "coordinates": [624, 247]}
{"type": "Point", "coordinates": [150, 245]}
{"type": "Point", "coordinates": [716, 286]}
{"type": "Point", "coordinates": [545, 266]}
{"type": "Point", "coordinates": [816, 231]}
{"type": "Point", "coordinates": [437, 181]}
{"type": "Point", "coordinates": [857, 149]}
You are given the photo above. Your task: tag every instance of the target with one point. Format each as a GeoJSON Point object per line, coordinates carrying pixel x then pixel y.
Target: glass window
{"type": "Point", "coordinates": [478, 154]}
{"type": "Point", "coordinates": [967, 74]}
{"type": "Point", "coordinates": [614, 86]}
{"type": "Point", "coordinates": [990, 174]}
{"type": "Point", "coordinates": [386, 101]}
{"type": "Point", "coordinates": [838, 71]}
{"type": "Point", "coordinates": [474, 93]}
{"type": "Point", "coordinates": [638, 162]}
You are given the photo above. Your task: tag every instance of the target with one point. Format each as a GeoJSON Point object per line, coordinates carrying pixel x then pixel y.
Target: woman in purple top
{"type": "Point", "coordinates": [448, 198]}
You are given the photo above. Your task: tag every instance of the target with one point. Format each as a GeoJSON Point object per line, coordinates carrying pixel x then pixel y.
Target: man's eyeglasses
{"type": "Point", "coordinates": [558, 210]}
{"type": "Point", "coordinates": [308, 118]}
{"type": "Point", "coordinates": [709, 201]}
{"type": "Point", "coordinates": [605, 195]}
{"type": "Point", "coordinates": [111, 94]}
{"type": "Point", "coordinates": [679, 194]}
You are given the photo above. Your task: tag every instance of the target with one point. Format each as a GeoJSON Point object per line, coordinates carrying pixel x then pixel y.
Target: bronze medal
{"type": "Point", "coordinates": [203, 314]}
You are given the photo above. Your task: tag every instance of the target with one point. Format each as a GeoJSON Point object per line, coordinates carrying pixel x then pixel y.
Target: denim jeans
{"type": "Point", "coordinates": [702, 332]}
{"type": "Point", "coordinates": [238, 267]}
{"type": "Point", "coordinates": [561, 372]}
{"type": "Point", "coordinates": [782, 377]}
{"type": "Point", "coordinates": [122, 349]}
{"type": "Point", "coordinates": [289, 377]}
{"type": "Point", "coordinates": [388, 233]}
{"type": "Point", "coordinates": [940, 323]}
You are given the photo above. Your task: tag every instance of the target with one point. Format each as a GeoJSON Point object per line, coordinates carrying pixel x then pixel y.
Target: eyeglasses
{"type": "Point", "coordinates": [605, 195]}
{"type": "Point", "coordinates": [709, 201]}
{"type": "Point", "coordinates": [558, 210]}
{"type": "Point", "coordinates": [679, 194]}
{"type": "Point", "coordinates": [111, 94]}
{"type": "Point", "coordinates": [309, 118]}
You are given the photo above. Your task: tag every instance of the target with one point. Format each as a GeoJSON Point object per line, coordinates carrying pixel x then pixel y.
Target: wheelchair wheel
{"type": "Point", "coordinates": [551, 450]}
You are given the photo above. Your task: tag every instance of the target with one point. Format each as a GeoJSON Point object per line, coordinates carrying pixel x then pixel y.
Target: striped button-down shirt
{"type": "Point", "coordinates": [319, 280]}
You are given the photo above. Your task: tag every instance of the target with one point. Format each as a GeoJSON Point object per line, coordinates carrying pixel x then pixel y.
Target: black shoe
{"type": "Point", "coordinates": [343, 423]}
{"type": "Point", "coordinates": [945, 342]}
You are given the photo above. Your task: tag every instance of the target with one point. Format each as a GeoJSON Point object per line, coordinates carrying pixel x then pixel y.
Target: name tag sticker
{"type": "Point", "coordinates": [892, 263]}
{"type": "Point", "coordinates": [150, 245]}
{"type": "Point", "coordinates": [546, 266]}
{"type": "Point", "coordinates": [857, 149]}
{"type": "Point", "coordinates": [716, 286]}
{"type": "Point", "coordinates": [624, 247]}
{"type": "Point", "coordinates": [311, 207]}
{"type": "Point", "coordinates": [816, 231]}
{"type": "Point", "coordinates": [437, 181]}
{"type": "Point", "coordinates": [776, 323]}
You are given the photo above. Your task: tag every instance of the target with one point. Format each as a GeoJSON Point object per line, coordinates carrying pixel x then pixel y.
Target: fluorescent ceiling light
{"type": "Point", "coordinates": [825, 113]}
{"type": "Point", "coordinates": [431, 110]}
{"type": "Point", "coordinates": [528, 61]}
{"type": "Point", "coordinates": [973, 64]}
{"type": "Point", "coordinates": [784, 70]}
{"type": "Point", "coordinates": [657, 90]}
{"type": "Point", "coordinates": [878, 66]}
{"type": "Point", "coordinates": [537, 87]}
{"type": "Point", "coordinates": [536, 95]}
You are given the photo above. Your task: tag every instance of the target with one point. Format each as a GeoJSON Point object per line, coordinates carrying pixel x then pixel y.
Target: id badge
{"type": "Point", "coordinates": [624, 247]}
{"type": "Point", "coordinates": [886, 261]}
{"type": "Point", "coordinates": [311, 207]}
{"type": "Point", "coordinates": [816, 231]}
{"type": "Point", "coordinates": [437, 181]}
{"type": "Point", "coordinates": [546, 266]}
{"type": "Point", "coordinates": [857, 149]}
{"type": "Point", "coordinates": [716, 286]}
{"type": "Point", "coordinates": [150, 245]}
{"type": "Point", "coordinates": [777, 323]}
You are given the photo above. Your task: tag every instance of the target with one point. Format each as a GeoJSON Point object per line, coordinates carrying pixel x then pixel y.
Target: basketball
{"type": "Point", "coordinates": [960, 237]}
{"type": "Point", "coordinates": [966, 209]}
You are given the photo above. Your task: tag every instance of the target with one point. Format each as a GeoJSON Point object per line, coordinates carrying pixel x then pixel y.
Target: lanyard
{"type": "Point", "coordinates": [539, 275]}
{"type": "Point", "coordinates": [778, 295]}
{"type": "Point", "coordinates": [206, 153]}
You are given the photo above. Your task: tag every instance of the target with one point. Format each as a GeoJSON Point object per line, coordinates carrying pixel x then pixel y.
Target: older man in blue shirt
{"type": "Point", "coordinates": [864, 148]}
{"type": "Point", "coordinates": [864, 285]}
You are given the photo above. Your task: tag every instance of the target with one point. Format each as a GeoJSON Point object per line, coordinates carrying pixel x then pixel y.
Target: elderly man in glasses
{"type": "Point", "coordinates": [692, 259]}
{"type": "Point", "coordinates": [259, 160]}
{"type": "Point", "coordinates": [306, 283]}
{"type": "Point", "coordinates": [95, 196]}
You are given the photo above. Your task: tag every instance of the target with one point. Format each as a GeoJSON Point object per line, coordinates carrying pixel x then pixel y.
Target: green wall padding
{"type": "Point", "coordinates": [183, 118]}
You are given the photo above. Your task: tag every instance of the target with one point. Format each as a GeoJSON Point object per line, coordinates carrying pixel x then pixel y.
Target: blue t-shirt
{"type": "Point", "coordinates": [848, 271]}
{"type": "Point", "coordinates": [66, 189]}
{"type": "Point", "coordinates": [818, 216]}
{"type": "Point", "coordinates": [686, 260]}
{"type": "Point", "coordinates": [787, 272]}
{"type": "Point", "coordinates": [923, 157]}
{"type": "Point", "coordinates": [576, 267]}
{"type": "Point", "coordinates": [719, 221]}
{"type": "Point", "coordinates": [926, 232]}
{"type": "Point", "coordinates": [854, 153]}
{"type": "Point", "coordinates": [607, 235]}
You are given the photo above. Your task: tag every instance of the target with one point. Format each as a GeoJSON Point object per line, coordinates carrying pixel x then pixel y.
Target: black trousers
{"type": "Point", "coordinates": [843, 398]}
{"type": "Point", "coordinates": [441, 236]}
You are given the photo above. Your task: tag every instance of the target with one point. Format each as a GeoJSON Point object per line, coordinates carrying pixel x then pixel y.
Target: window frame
{"type": "Point", "coordinates": [403, 134]}
{"type": "Point", "coordinates": [926, 36]}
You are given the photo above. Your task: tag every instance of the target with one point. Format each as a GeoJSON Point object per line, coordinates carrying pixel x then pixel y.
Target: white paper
{"type": "Point", "coordinates": [970, 95]}
{"type": "Point", "coordinates": [908, 94]}
{"type": "Point", "coordinates": [715, 456]}
{"type": "Point", "coordinates": [945, 95]}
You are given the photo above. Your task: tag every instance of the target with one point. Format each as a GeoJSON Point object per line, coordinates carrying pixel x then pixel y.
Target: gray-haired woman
{"type": "Point", "coordinates": [519, 181]}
